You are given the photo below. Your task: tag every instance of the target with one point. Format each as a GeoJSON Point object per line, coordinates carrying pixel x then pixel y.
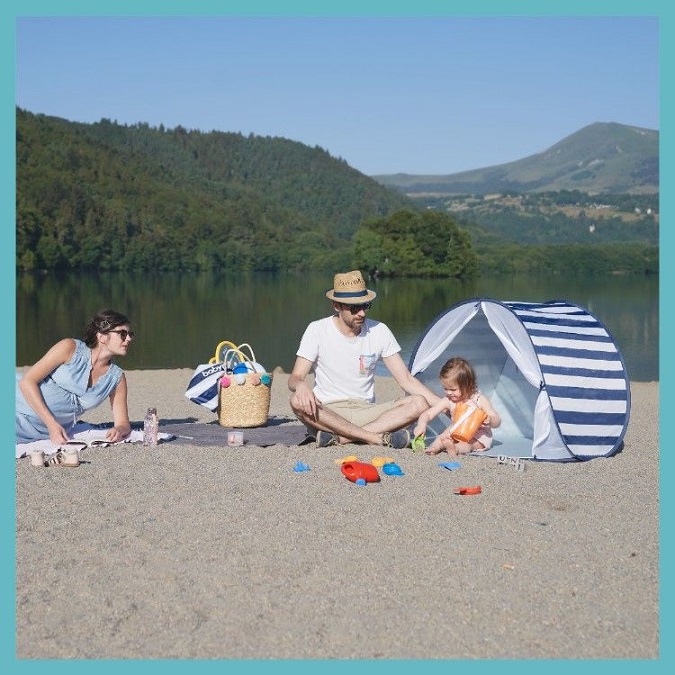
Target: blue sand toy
{"type": "Point", "coordinates": [392, 469]}
{"type": "Point", "coordinates": [450, 465]}
{"type": "Point", "coordinates": [300, 466]}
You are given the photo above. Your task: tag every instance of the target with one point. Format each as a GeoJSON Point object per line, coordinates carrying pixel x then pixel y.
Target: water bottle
{"type": "Point", "coordinates": [150, 427]}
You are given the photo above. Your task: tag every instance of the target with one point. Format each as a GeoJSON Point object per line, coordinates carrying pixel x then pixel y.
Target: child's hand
{"type": "Point", "coordinates": [420, 429]}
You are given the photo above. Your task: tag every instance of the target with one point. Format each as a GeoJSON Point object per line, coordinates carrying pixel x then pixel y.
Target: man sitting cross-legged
{"type": "Point", "coordinates": [343, 350]}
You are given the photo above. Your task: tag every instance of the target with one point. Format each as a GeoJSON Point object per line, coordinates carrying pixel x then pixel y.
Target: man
{"type": "Point", "coordinates": [343, 350]}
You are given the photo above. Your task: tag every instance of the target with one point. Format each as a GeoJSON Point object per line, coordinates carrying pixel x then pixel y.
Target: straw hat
{"type": "Point", "coordinates": [350, 289]}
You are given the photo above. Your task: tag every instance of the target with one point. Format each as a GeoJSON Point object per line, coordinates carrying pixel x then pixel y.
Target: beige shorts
{"type": "Point", "coordinates": [360, 412]}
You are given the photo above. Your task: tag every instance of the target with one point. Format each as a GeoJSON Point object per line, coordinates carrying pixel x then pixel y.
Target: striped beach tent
{"type": "Point", "coordinates": [551, 370]}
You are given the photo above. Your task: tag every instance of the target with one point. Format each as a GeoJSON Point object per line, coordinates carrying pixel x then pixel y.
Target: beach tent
{"type": "Point", "coordinates": [551, 370]}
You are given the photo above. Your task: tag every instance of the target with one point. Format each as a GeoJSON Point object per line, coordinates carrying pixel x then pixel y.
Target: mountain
{"type": "Point", "coordinates": [600, 158]}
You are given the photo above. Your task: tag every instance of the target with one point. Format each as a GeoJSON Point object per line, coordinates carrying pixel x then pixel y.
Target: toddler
{"type": "Point", "coordinates": [458, 379]}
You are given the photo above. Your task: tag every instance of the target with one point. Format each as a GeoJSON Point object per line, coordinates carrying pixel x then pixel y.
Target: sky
{"type": "Point", "coordinates": [408, 94]}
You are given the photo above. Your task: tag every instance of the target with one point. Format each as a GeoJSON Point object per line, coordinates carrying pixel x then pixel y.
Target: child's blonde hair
{"type": "Point", "coordinates": [460, 372]}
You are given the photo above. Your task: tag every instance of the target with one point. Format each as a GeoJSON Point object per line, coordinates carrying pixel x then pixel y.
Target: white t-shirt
{"type": "Point", "coordinates": [344, 367]}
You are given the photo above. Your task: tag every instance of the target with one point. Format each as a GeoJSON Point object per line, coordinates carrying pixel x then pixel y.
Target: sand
{"type": "Point", "coordinates": [182, 552]}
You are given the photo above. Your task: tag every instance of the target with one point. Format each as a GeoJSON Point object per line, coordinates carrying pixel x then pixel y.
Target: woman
{"type": "Point", "coordinates": [74, 376]}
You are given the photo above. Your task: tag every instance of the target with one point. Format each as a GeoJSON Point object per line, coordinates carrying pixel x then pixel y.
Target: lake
{"type": "Point", "coordinates": [180, 318]}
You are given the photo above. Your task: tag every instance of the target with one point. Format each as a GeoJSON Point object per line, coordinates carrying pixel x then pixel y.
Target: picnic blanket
{"type": "Point", "coordinates": [288, 431]}
{"type": "Point", "coordinates": [85, 432]}
{"type": "Point", "coordinates": [278, 431]}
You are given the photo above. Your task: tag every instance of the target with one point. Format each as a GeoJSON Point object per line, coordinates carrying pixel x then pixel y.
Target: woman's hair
{"type": "Point", "coordinates": [103, 322]}
{"type": "Point", "coordinates": [460, 371]}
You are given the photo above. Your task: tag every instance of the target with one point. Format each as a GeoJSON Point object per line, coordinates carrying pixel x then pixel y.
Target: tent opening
{"type": "Point", "coordinates": [551, 370]}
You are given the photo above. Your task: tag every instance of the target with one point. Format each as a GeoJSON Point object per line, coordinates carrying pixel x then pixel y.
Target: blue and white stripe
{"type": "Point", "coordinates": [583, 374]}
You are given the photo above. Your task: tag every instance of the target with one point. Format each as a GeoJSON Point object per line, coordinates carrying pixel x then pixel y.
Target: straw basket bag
{"type": "Point", "coordinates": [244, 391]}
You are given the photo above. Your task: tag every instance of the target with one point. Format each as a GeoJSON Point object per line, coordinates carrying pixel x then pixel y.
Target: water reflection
{"type": "Point", "coordinates": [180, 318]}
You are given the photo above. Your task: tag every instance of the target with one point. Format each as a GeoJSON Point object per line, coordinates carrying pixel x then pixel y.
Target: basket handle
{"type": "Point", "coordinates": [246, 345]}
{"type": "Point", "coordinates": [219, 356]}
{"type": "Point", "coordinates": [232, 357]}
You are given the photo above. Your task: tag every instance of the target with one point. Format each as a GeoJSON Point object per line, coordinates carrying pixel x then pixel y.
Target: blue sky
{"type": "Point", "coordinates": [407, 94]}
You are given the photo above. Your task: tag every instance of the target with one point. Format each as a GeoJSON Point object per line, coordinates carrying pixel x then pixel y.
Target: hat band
{"type": "Point", "coordinates": [357, 294]}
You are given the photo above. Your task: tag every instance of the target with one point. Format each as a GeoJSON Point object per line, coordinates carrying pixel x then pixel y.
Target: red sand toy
{"type": "Point", "coordinates": [354, 471]}
{"type": "Point", "coordinates": [472, 490]}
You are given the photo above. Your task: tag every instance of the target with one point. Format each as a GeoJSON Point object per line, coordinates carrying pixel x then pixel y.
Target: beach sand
{"type": "Point", "coordinates": [183, 552]}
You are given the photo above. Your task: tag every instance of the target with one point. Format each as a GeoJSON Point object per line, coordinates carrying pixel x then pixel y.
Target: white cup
{"type": "Point", "coordinates": [37, 458]}
{"type": "Point", "coordinates": [235, 438]}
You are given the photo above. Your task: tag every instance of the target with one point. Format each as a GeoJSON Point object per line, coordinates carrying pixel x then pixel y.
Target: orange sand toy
{"type": "Point", "coordinates": [354, 471]}
{"type": "Point", "coordinates": [379, 462]}
{"type": "Point", "coordinates": [348, 458]}
{"type": "Point", "coordinates": [467, 420]}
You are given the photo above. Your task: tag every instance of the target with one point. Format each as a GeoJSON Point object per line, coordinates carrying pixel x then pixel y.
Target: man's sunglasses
{"type": "Point", "coordinates": [124, 334]}
{"type": "Point", "coordinates": [355, 309]}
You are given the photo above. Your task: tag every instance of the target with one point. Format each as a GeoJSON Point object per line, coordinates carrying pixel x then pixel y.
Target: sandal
{"type": "Point", "coordinates": [324, 439]}
{"type": "Point", "coordinates": [63, 458]}
{"type": "Point", "coordinates": [396, 439]}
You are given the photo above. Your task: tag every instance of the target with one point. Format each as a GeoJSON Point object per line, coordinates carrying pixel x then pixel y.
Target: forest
{"type": "Point", "coordinates": [115, 197]}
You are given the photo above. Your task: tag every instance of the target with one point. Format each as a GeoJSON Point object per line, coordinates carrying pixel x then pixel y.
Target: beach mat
{"type": "Point", "coordinates": [278, 431]}
{"type": "Point", "coordinates": [514, 446]}
{"type": "Point", "coordinates": [86, 433]}
{"type": "Point", "coordinates": [517, 447]}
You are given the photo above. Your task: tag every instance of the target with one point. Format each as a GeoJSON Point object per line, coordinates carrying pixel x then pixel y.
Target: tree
{"type": "Point", "coordinates": [412, 244]}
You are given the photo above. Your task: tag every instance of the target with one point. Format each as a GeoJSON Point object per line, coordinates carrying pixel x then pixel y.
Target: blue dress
{"type": "Point", "coordinates": [66, 394]}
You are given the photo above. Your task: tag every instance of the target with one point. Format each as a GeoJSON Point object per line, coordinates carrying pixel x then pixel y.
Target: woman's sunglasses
{"type": "Point", "coordinates": [124, 334]}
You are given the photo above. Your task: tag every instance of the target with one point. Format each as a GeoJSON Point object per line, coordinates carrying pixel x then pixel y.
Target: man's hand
{"type": "Point", "coordinates": [303, 399]}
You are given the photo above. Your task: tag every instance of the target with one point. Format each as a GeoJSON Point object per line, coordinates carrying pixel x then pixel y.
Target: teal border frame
{"type": "Point", "coordinates": [14, 8]}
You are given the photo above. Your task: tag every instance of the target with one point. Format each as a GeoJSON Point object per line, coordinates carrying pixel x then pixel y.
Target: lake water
{"type": "Point", "coordinates": [180, 318]}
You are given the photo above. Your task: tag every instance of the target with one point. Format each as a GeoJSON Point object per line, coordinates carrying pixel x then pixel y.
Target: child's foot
{"type": "Point", "coordinates": [433, 451]}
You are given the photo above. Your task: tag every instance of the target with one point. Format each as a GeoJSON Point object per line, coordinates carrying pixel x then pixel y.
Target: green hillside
{"type": "Point", "coordinates": [111, 196]}
{"type": "Point", "coordinates": [114, 197]}
{"type": "Point", "coordinates": [600, 158]}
